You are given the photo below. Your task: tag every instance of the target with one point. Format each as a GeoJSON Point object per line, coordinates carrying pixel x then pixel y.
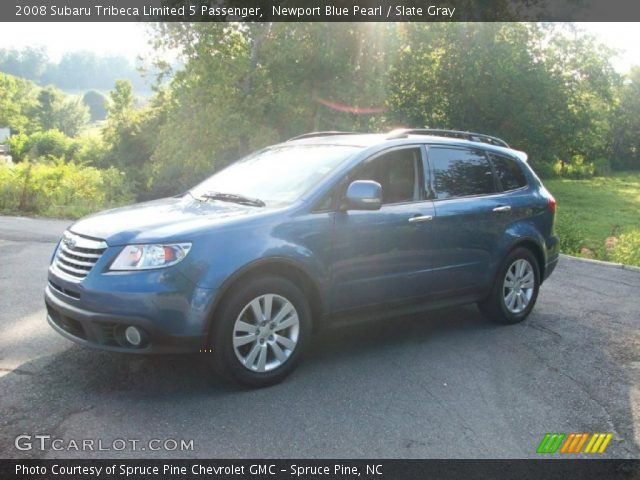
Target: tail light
{"type": "Point", "coordinates": [552, 203]}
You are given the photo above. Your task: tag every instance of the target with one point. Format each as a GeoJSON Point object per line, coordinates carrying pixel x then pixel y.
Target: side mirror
{"type": "Point", "coordinates": [363, 195]}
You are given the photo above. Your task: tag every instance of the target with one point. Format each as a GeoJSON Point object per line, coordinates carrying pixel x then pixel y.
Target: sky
{"type": "Point", "coordinates": [621, 36]}
{"type": "Point", "coordinates": [131, 39]}
{"type": "Point", "coordinates": [127, 38]}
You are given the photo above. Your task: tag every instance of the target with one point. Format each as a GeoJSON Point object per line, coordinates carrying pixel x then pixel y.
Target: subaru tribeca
{"type": "Point", "coordinates": [247, 263]}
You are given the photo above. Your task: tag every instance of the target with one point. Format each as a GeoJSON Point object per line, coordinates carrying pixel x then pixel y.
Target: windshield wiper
{"type": "Point", "coordinates": [233, 197]}
{"type": "Point", "coordinates": [188, 192]}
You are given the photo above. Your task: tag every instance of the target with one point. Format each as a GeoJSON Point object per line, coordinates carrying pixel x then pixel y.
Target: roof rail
{"type": "Point", "coordinates": [321, 134]}
{"type": "Point", "coordinates": [474, 137]}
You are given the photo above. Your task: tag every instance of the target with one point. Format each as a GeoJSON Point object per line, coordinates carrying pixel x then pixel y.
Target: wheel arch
{"type": "Point", "coordinates": [533, 246]}
{"type": "Point", "coordinates": [276, 266]}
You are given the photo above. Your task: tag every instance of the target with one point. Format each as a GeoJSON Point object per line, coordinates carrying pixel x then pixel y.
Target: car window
{"type": "Point", "coordinates": [508, 172]}
{"type": "Point", "coordinates": [460, 172]}
{"type": "Point", "coordinates": [397, 172]}
{"type": "Point", "coordinates": [326, 203]}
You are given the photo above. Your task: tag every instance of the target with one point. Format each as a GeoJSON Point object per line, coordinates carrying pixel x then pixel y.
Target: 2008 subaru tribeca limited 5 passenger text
{"type": "Point", "coordinates": [292, 237]}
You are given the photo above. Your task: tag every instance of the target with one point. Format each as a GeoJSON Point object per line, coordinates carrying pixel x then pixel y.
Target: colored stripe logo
{"type": "Point", "coordinates": [598, 443]}
{"type": "Point", "coordinates": [573, 443]}
{"type": "Point", "coordinates": [550, 443]}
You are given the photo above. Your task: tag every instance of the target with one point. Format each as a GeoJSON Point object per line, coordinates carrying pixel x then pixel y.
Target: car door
{"type": "Point", "coordinates": [469, 222]}
{"type": "Point", "coordinates": [383, 256]}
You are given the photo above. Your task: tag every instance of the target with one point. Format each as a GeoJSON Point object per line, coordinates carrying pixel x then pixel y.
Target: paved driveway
{"type": "Point", "coordinates": [442, 384]}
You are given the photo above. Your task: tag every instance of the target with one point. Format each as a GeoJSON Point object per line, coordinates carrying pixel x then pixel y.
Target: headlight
{"type": "Point", "coordinates": [145, 257]}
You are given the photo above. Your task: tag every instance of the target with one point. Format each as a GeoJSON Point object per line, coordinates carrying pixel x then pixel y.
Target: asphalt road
{"type": "Point", "coordinates": [443, 384]}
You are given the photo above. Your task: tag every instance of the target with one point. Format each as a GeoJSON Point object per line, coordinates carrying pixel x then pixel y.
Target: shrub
{"type": "Point", "coordinates": [571, 237]}
{"type": "Point", "coordinates": [17, 146]}
{"type": "Point", "coordinates": [576, 168]}
{"type": "Point", "coordinates": [627, 248]}
{"type": "Point", "coordinates": [91, 150]}
{"type": "Point", "coordinates": [61, 189]}
{"type": "Point", "coordinates": [48, 144]}
{"type": "Point", "coordinates": [545, 170]}
{"type": "Point", "coordinates": [9, 188]}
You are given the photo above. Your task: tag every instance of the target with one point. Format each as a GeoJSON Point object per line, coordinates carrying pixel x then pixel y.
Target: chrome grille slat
{"type": "Point", "coordinates": [73, 261]}
{"type": "Point", "coordinates": [70, 269]}
{"type": "Point", "coordinates": [78, 268]}
{"type": "Point", "coordinates": [77, 255]}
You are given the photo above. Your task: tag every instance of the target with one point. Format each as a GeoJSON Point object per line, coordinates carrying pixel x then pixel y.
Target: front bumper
{"type": "Point", "coordinates": [163, 332]}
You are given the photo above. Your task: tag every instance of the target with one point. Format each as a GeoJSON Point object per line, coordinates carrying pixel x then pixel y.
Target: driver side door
{"type": "Point", "coordinates": [384, 256]}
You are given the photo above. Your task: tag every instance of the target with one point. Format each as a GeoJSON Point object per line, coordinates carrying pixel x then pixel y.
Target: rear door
{"type": "Point", "coordinates": [470, 219]}
{"type": "Point", "coordinates": [512, 183]}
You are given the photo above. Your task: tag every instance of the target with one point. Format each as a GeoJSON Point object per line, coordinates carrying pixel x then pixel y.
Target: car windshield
{"type": "Point", "coordinates": [275, 176]}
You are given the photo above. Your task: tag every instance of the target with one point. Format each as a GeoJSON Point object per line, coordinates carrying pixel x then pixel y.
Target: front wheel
{"type": "Point", "coordinates": [260, 331]}
{"type": "Point", "coordinates": [515, 289]}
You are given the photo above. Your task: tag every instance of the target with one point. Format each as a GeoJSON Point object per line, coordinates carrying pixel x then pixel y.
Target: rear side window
{"type": "Point", "coordinates": [509, 173]}
{"type": "Point", "coordinates": [460, 172]}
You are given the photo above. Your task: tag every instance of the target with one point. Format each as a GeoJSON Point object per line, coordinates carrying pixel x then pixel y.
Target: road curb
{"type": "Point", "coordinates": [633, 268]}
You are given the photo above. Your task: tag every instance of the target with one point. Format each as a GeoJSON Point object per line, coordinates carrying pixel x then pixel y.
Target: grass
{"type": "Point", "coordinates": [600, 206]}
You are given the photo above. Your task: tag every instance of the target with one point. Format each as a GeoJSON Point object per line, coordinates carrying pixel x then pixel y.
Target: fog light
{"type": "Point", "coordinates": [133, 336]}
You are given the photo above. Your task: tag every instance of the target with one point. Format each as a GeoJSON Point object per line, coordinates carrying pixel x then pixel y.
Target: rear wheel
{"type": "Point", "coordinates": [515, 289]}
{"type": "Point", "coordinates": [261, 331]}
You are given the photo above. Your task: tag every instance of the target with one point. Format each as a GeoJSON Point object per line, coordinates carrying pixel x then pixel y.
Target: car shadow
{"type": "Point", "coordinates": [43, 393]}
{"type": "Point", "coordinates": [80, 369]}
{"type": "Point", "coordinates": [343, 341]}
{"type": "Point", "coordinates": [416, 354]}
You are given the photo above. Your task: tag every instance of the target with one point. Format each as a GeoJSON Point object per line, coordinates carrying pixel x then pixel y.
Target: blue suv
{"type": "Point", "coordinates": [326, 226]}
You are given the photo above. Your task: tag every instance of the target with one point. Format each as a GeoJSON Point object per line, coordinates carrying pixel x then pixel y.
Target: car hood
{"type": "Point", "coordinates": [167, 219]}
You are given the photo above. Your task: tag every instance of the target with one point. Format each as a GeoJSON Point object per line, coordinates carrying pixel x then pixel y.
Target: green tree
{"type": "Point", "coordinates": [121, 100]}
{"type": "Point", "coordinates": [247, 85]}
{"type": "Point", "coordinates": [626, 124]}
{"type": "Point", "coordinates": [581, 68]}
{"type": "Point", "coordinates": [82, 70]}
{"type": "Point", "coordinates": [17, 101]}
{"type": "Point", "coordinates": [72, 114]}
{"type": "Point", "coordinates": [96, 103]}
{"type": "Point", "coordinates": [131, 135]}
{"type": "Point", "coordinates": [48, 101]}
{"type": "Point", "coordinates": [57, 111]}
{"type": "Point", "coordinates": [545, 89]}
{"type": "Point", "coordinates": [30, 63]}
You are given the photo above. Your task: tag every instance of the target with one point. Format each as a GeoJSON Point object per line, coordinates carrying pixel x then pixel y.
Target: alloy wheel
{"type": "Point", "coordinates": [265, 334]}
{"type": "Point", "coordinates": [518, 286]}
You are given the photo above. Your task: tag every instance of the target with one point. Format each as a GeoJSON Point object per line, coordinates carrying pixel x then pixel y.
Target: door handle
{"type": "Point", "coordinates": [503, 208]}
{"type": "Point", "coordinates": [420, 218]}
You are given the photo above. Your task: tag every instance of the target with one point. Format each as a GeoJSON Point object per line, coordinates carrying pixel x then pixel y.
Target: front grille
{"type": "Point", "coordinates": [77, 255]}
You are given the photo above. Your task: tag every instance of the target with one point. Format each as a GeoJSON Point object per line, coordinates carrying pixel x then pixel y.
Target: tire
{"type": "Point", "coordinates": [255, 349]}
{"type": "Point", "coordinates": [504, 304]}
